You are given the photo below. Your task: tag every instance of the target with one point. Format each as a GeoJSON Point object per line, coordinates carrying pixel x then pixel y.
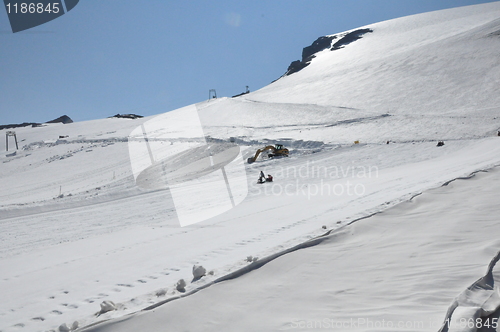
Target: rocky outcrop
{"type": "Point", "coordinates": [24, 124]}
{"type": "Point", "coordinates": [127, 116]}
{"type": "Point", "coordinates": [350, 38]}
{"type": "Point", "coordinates": [62, 119]}
{"type": "Point", "coordinates": [333, 42]}
{"type": "Point", "coordinates": [318, 45]}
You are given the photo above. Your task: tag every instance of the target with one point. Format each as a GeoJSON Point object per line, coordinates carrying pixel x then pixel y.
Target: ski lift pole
{"type": "Point", "coordinates": [7, 134]}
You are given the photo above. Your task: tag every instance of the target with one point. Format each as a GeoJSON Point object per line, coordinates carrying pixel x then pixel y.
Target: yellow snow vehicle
{"type": "Point", "coordinates": [275, 151]}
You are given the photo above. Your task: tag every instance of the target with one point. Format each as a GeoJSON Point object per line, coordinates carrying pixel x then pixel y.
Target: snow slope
{"type": "Point", "coordinates": [429, 64]}
{"type": "Point", "coordinates": [77, 231]}
{"type": "Point", "coordinates": [396, 271]}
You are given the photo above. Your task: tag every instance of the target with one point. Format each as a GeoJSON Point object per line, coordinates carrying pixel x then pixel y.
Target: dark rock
{"type": "Point", "coordinates": [243, 93]}
{"type": "Point", "coordinates": [296, 66]}
{"type": "Point", "coordinates": [318, 45]}
{"type": "Point", "coordinates": [62, 119]}
{"type": "Point", "coordinates": [323, 43]}
{"type": "Point", "coordinates": [24, 124]}
{"type": "Point", "coordinates": [240, 94]}
{"type": "Point", "coordinates": [349, 38]}
{"type": "Point", "coordinates": [127, 116]}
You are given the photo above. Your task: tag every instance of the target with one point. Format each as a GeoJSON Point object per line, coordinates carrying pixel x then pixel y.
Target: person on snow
{"type": "Point", "coordinates": [269, 178]}
{"type": "Point", "coordinates": [261, 177]}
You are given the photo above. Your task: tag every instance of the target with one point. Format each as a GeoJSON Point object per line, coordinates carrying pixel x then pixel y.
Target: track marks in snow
{"type": "Point", "coordinates": [38, 319]}
{"type": "Point", "coordinates": [97, 298]}
{"type": "Point", "coordinates": [125, 285]}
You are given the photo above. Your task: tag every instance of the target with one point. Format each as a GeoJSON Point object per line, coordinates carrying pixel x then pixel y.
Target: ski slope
{"type": "Point", "coordinates": [78, 231]}
{"type": "Point", "coordinates": [399, 270]}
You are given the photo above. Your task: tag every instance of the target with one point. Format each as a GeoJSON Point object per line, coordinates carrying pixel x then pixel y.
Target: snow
{"type": "Point", "coordinates": [399, 269]}
{"type": "Point", "coordinates": [88, 222]}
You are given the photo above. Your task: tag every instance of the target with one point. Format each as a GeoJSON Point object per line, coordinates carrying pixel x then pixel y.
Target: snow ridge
{"type": "Point", "coordinates": [481, 299]}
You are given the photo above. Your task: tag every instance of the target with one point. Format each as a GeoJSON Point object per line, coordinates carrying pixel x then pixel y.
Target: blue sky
{"type": "Point", "coordinates": [149, 57]}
